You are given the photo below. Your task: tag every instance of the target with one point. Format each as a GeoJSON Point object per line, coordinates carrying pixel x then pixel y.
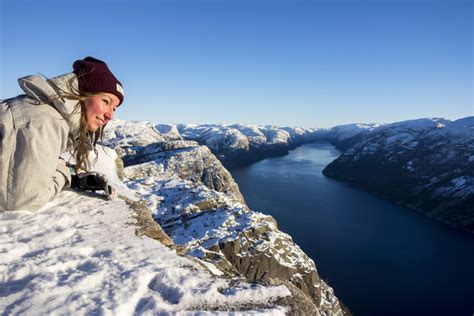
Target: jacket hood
{"type": "Point", "coordinates": [46, 90]}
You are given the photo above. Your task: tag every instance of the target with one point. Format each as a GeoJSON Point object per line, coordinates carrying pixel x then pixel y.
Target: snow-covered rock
{"type": "Point", "coordinates": [196, 164]}
{"type": "Point", "coordinates": [218, 227]}
{"type": "Point", "coordinates": [253, 133]}
{"type": "Point", "coordinates": [234, 145]}
{"type": "Point", "coordinates": [239, 145]}
{"type": "Point", "coordinates": [168, 131]}
{"type": "Point", "coordinates": [198, 204]}
{"type": "Point", "coordinates": [81, 254]}
{"type": "Point", "coordinates": [426, 164]}
{"type": "Point", "coordinates": [344, 136]}
{"type": "Point", "coordinates": [128, 136]}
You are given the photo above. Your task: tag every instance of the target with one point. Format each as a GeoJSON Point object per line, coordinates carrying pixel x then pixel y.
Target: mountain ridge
{"type": "Point", "coordinates": [394, 150]}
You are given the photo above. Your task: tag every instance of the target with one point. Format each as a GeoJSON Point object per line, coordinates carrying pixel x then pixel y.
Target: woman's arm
{"type": "Point", "coordinates": [33, 138]}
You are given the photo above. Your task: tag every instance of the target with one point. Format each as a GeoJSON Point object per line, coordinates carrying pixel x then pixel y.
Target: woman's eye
{"type": "Point", "coordinates": [106, 101]}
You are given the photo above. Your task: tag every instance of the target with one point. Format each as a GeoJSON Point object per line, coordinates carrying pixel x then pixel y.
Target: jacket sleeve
{"type": "Point", "coordinates": [61, 178]}
{"type": "Point", "coordinates": [34, 176]}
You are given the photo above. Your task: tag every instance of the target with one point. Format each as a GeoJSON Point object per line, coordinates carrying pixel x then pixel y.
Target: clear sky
{"type": "Point", "coordinates": [287, 63]}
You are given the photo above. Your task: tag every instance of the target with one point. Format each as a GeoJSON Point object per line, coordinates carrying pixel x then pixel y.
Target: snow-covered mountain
{"type": "Point", "coordinates": [426, 164]}
{"type": "Point", "coordinates": [240, 145]}
{"type": "Point", "coordinates": [234, 145]}
{"type": "Point", "coordinates": [198, 204]}
{"type": "Point", "coordinates": [344, 136]}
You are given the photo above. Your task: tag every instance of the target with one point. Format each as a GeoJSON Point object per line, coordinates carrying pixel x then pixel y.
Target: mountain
{"type": "Point", "coordinates": [344, 136]}
{"type": "Point", "coordinates": [197, 203]}
{"type": "Point", "coordinates": [425, 164]}
{"type": "Point", "coordinates": [241, 145]}
{"type": "Point", "coordinates": [234, 145]}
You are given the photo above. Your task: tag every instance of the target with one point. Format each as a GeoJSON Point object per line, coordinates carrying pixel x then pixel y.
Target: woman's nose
{"type": "Point", "coordinates": [109, 115]}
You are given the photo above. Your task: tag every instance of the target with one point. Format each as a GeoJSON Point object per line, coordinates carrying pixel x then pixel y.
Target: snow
{"type": "Point", "coordinates": [409, 166]}
{"type": "Point", "coordinates": [80, 254]}
{"type": "Point", "coordinates": [419, 124]}
{"type": "Point", "coordinates": [168, 131]}
{"type": "Point", "coordinates": [459, 181]}
{"type": "Point", "coordinates": [238, 136]}
{"type": "Point", "coordinates": [397, 130]}
{"type": "Point", "coordinates": [343, 132]}
{"type": "Point", "coordinates": [129, 133]}
{"type": "Point", "coordinates": [276, 135]}
{"type": "Point", "coordinates": [104, 162]}
{"type": "Point", "coordinates": [226, 137]}
{"type": "Point", "coordinates": [459, 129]}
{"type": "Point", "coordinates": [61, 260]}
{"type": "Point", "coordinates": [253, 133]}
{"type": "Point", "coordinates": [201, 229]}
{"type": "Point", "coordinates": [400, 137]}
{"type": "Point", "coordinates": [457, 187]}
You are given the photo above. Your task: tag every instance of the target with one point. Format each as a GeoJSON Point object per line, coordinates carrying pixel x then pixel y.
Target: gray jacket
{"type": "Point", "coordinates": [33, 133]}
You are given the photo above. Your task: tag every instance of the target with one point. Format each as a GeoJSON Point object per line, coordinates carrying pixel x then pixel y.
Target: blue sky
{"type": "Point", "coordinates": [287, 63]}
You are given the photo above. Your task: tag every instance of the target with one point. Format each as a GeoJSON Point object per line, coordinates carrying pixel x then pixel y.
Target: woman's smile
{"type": "Point", "coordinates": [100, 110]}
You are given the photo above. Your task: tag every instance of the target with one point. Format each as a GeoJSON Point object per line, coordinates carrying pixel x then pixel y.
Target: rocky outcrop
{"type": "Point", "coordinates": [425, 164]}
{"type": "Point", "coordinates": [195, 201]}
{"type": "Point", "coordinates": [188, 160]}
{"type": "Point", "coordinates": [79, 256]}
{"type": "Point", "coordinates": [147, 226]}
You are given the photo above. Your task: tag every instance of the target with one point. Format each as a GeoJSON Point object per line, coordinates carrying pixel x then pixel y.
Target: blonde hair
{"type": "Point", "coordinates": [85, 138]}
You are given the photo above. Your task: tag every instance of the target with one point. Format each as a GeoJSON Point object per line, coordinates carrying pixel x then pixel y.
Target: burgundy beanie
{"type": "Point", "coordinates": [94, 76]}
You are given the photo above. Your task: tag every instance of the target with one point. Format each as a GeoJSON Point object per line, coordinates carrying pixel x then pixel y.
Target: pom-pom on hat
{"type": "Point", "coordinates": [94, 76]}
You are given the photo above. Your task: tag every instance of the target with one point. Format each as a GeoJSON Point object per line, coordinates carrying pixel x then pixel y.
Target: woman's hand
{"type": "Point", "coordinates": [93, 181]}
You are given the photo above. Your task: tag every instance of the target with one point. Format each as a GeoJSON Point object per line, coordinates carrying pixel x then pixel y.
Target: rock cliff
{"type": "Point", "coordinates": [198, 204]}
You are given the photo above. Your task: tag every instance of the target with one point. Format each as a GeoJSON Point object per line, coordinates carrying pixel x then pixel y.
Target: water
{"type": "Point", "coordinates": [380, 258]}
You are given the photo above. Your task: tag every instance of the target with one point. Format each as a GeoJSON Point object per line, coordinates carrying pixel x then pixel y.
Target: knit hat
{"type": "Point", "coordinates": [94, 76]}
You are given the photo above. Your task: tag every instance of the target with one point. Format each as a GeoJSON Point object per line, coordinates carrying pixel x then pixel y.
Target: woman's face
{"type": "Point", "coordinates": [100, 109]}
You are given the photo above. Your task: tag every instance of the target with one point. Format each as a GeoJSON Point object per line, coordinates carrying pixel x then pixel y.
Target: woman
{"type": "Point", "coordinates": [65, 113]}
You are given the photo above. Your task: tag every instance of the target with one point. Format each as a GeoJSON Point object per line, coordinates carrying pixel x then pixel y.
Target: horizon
{"type": "Point", "coordinates": [298, 126]}
{"type": "Point", "coordinates": [314, 64]}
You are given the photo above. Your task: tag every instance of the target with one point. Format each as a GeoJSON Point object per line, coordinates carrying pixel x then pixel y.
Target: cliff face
{"type": "Point", "coordinates": [198, 204]}
{"type": "Point", "coordinates": [425, 164]}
